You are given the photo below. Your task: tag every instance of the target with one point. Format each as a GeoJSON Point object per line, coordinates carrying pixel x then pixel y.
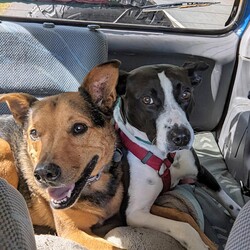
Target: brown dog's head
{"type": "Point", "coordinates": [69, 136]}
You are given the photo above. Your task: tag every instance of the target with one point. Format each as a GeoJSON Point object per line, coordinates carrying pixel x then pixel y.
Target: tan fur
{"type": "Point", "coordinates": [8, 170]}
{"type": "Point", "coordinates": [54, 117]}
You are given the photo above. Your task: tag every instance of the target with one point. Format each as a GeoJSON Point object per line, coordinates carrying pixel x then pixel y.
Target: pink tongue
{"type": "Point", "coordinates": [60, 193]}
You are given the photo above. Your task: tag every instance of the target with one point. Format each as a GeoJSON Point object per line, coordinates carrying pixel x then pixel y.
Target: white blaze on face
{"type": "Point", "coordinates": [172, 114]}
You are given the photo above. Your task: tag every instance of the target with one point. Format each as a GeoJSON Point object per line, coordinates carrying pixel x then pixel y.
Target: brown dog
{"type": "Point", "coordinates": [63, 147]}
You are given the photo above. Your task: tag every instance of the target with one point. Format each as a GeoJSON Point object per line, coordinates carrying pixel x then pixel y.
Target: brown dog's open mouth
{"type": "Point", "coordinates": [66, 196]}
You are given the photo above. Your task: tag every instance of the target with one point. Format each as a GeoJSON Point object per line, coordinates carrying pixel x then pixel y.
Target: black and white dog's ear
{"type": "Point", "coordinates": [193, 69]}
{"type": "Point", "coordinates": [122, 81]}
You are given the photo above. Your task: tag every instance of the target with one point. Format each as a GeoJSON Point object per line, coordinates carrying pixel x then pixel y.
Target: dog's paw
{"type": "Point", "coordinates": [191, 240]}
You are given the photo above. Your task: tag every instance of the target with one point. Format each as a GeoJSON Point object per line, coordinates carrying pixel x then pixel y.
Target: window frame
{"type": "Point", "coordinates": [238, 23]}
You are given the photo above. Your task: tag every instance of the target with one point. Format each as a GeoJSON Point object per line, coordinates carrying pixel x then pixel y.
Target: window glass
{"type": "Point", "coordinates": [209, 14]}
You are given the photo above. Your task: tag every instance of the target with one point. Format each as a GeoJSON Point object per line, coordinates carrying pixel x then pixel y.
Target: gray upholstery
{"type": "Point", "coordinates": [46, 60]}
{"type": "Point", "coordinates": [53, 242]}
{"type": "Point", "coordinates": [218, 223]}
{"type": "Point", "coordinates": [239, 238]}
{"type": "Point", "coordinates": [16, 231]}
{"type": "Point", "coordinates": [210, 157]}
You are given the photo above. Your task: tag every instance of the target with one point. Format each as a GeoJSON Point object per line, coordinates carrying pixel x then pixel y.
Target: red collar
{"type": "Point", "coordinates": [150, 159]}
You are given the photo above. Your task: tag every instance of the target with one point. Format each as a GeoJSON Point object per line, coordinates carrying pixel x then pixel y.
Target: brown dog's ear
{"type": "Point", "coordinates": [19, 104]}
{"type": "Point", "coordinates": [193, 68]}
{"type": "Point", "coordinates": [101, 83]}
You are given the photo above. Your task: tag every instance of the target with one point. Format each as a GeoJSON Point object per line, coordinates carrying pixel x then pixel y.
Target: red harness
{"type": "Point", "coordinates": [150, 159]}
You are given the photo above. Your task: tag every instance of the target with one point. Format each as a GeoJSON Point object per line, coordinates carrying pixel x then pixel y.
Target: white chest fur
{"type": "Point", "coordinates": [183, 167]}
{"type": "Point", "coordinates": [144, 183]}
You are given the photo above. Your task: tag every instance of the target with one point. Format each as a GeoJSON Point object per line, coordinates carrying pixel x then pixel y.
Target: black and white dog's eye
{"type": "Point", "coordinates": [186, 95]}
{"type": "Point", "coordinates": [34, 135]}
{"type": "Point", "coordinates": [147, 100]}
{"type": "Point", "coordinates": [79, 128]}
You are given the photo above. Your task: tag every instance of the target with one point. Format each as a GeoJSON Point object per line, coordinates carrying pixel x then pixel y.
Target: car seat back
{"type": "Point", "coordinates": [47, 59]}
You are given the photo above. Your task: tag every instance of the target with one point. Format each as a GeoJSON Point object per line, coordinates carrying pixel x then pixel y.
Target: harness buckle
{"type": "Point", "coordinates": [146, 157]}
{"type": "Point", "coordinates": [244, 190]}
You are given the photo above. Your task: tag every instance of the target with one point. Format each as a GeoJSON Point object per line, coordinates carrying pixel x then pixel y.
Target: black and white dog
{"type": "Point", "coordinates": [152, 120]}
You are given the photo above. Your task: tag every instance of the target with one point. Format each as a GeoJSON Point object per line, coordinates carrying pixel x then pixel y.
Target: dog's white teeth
{"type": "Point", "coordinates": [59, 201]}
{"type": "Point", "coordinates": [65, 199]}
{"type": "Point", "coordinates": [69, 193]}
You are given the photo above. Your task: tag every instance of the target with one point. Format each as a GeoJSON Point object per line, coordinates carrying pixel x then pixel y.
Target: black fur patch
{"type": "Point", "coordinates": [126, 183]}
{"type": "Point", "coordinates": [54, 102]}
{"type": "Point", "coordinates": [101, 198]}
{"type": "Point", "coordinates": [138, 114]}
{"type": "Point", "coordinates": [96, 115]}
{"type": "Point", "coordinates": [204, 176]}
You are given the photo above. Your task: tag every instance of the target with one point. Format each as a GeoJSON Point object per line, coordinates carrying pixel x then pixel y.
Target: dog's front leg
{"type": "Point", "coordinates": [181, 231]}
{"type": "Point", "coordinates": [213, 188]}
{"type": "Point", "coordinates": [143, 191]}
{"type": "Point", "coordinates": [175, 214]}
{"type": "Point", "coordinates": [75, 225]}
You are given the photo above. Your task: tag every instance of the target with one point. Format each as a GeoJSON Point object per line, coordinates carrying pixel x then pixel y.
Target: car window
{"type": "Point", "coordinates": [210, 14]}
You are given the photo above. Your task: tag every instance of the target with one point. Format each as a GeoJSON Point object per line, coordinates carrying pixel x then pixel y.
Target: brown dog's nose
{"type": "Point", "coordinates": [179, 135]}
{"type": "Point", "coordinates": [47, 173]}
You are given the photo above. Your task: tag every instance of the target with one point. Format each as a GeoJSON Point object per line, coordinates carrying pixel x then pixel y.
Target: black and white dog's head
{"type": "Point", "coordinates": [157, 100]}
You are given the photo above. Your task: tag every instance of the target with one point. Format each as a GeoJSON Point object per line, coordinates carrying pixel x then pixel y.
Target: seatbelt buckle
{"type": "Point", "coordinates": [244, 190]}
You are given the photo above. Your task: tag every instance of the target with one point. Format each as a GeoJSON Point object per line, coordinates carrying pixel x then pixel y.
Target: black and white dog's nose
{"type": "Point", "coordinates": [179, 135]}
{"type": "Point", "coordinates": [47, 173]}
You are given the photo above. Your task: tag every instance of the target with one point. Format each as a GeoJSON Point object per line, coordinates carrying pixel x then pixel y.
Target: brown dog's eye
{"type": "Point", "coordinates": [79, 128]}
{"type": "Point", "coordinates": [186, 95]}
{"type": "Point", "coordinates": [34, 134]}
{"type": "Point", "coordinates": [147, 100]}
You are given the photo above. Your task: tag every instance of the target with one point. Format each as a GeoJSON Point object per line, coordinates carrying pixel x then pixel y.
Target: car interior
{"type": "Point", "coordinates": [45, 55]}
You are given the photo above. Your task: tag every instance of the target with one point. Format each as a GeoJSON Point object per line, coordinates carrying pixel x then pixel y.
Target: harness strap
{"type": "Point", "coordinates": [147, 157]}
